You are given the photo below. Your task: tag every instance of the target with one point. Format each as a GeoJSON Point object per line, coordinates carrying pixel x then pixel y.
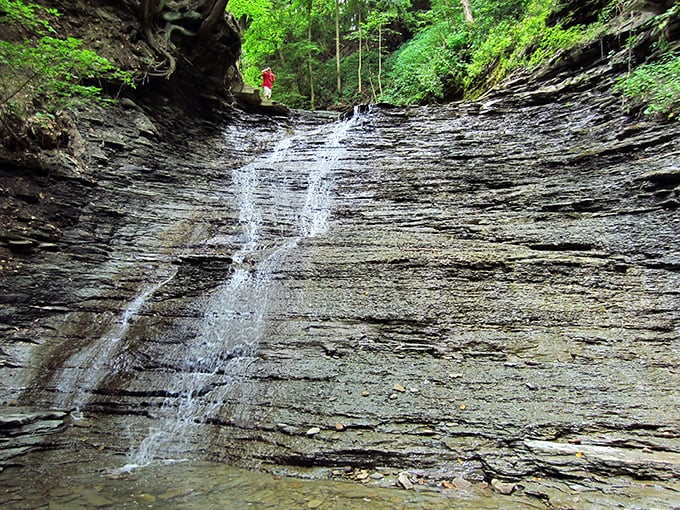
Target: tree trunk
{"type": "Point", "coordinates": [360, 54]}
{"type": "Point", "coordinates": [468, 12]}
{"type": "Point", "coordinates": [215, 15]}
{"type": "Point", "coordinates": [309, 58]}
{"type": "Point", "coordinates": [196, 43]}
{"type": "Point", "coordinates": [337, 45]}
{"type": "Point", "coordinates": [380, 59]}
{"type": "Point", "coordinates": [147, 10]}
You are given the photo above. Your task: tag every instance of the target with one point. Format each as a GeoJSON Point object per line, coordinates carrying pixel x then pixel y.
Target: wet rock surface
{"type": "Point", "coordinates": [493, 300]}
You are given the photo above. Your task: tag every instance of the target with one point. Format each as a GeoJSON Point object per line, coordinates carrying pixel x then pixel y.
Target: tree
{"type": "Point", "coordinates": [195, 37]}
{"type": "Point", "coordinates": [310, 65]}
{"type": "Point", "coordinates": [337, 45]}
{"type": "Point", "coordinates": [42, 74]}
{"type": "Point", "coordinates": [378, 25]}
{"type": "Point", "coordinates": [468, 12]}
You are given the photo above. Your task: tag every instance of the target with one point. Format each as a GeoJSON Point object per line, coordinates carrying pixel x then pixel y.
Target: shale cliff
{"type": "Point", "coordinates": [480, 296]}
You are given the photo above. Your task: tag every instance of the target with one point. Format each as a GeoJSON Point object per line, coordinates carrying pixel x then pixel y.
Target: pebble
{"type": "Point", "coordinates": [286, 429]}
{"type": "Point", "coordinates": [147, 498]}
{"type": "Point", "coordinates": [461, 483]}
{"type": "Point", "coordinates": [405, 481]}
{"type": "Point", "coordinates": [502, 487]}
{"type": "Point", "coordinates": [313, 431]}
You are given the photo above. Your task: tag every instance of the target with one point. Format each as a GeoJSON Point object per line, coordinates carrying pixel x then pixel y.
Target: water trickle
{"type": "Point", "coordinates": [314, 216]}
{"type": "Point", "coordinates": [281, 199]}
{"type": "Point", "coordinates": [88, 367]}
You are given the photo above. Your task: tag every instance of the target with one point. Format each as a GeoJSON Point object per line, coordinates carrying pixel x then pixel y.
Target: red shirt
{"type": "Point", "coordinates": [268, 79]}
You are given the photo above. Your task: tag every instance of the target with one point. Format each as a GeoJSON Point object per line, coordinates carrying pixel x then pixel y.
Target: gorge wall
{"type": "Point", "coordinates": [482, 291]}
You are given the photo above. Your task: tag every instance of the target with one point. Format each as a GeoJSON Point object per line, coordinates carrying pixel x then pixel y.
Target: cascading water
{"type": "Point", "coordinates": [282, 200]}
{"type": "Point", "coordinates": [88, 367]}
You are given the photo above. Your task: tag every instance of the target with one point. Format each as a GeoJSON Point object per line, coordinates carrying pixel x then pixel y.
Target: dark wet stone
{"type": "Point", "coordinates": [511, 264]}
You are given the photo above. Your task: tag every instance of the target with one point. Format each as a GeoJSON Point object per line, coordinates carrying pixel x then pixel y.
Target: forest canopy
{"type": "Point", "coordinates": [401, 51]}
{"type": "Point", "coordinates": [325, 53]}
{"type": "Point", "coordinates": [335, 52]}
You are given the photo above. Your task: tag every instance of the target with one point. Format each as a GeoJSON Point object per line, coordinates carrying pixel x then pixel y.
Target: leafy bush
{"type": "Point", "coordinates": [420, 68]}
{"type": "Point", "coordinates": [655, 85]}
{"type": "Point", "coordinates": [42, 73]}
{"type": "Point", "coordinates": [524, 42]}
{"type": "Point", "coordinates": [446, 55]}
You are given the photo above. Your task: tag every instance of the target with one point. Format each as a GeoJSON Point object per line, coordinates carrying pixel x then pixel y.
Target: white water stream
{"type": "Point", "coordinates": [282, 199]}
{"type": "Point", "coordinates": [88, 367]}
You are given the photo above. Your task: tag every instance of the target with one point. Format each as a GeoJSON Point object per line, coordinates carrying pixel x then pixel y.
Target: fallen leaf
{"type": "Point", "coordinates": [463, 407]}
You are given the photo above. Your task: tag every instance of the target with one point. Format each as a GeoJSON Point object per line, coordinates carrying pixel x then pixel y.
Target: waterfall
{"type": "Point", "coordinates": [88, 367]}
{"type": "Point", "coordinates": [282, 199]}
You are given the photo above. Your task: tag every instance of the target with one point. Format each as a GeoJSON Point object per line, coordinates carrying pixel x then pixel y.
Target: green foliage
{"type": "Point", "coordinates": [444, 58]}
{"type": "Point", "coordinates": [250, 8]}
{"type": "Point", "coordinates": [291, 35]}
{"type": "Point", "coordinates": [51, 71]}
{"type": "Point", "coordinates": [44, 73]}
{"type": "Point", "coordinates": [449, 55]}
{"type": "Point", "coordinates": [522, 39]}
{"type": "Point", "coordinates": [655, 85]}
{"type": "Point", "coordinates": [17, 12]}
{"type": "Point", "coordinates": [418, 70]}
{"type": "Point", "coordinates": [266, 31]}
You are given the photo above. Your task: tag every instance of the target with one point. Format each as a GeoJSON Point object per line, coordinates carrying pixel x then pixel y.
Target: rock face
{"type": "Point", "coordinates": [185, 50]}
{"type": "Point", "coordinates": [483, 292]}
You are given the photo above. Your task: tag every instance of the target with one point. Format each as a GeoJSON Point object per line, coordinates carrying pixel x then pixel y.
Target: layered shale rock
{"type": "Point", "coordinates": [480, 293]}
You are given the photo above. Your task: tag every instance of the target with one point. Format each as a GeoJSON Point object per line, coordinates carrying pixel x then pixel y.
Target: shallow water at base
{"type": "Point", "coordinates": [201, 485]}
{"type": "Point", "coordinates": [59, 481]}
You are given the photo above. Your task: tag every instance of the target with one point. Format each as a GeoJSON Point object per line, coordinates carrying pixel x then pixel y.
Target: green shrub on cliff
{"type": "Point", "coordinates": [448, 56]}
{"type": "Point", "coordinates": [655, 86]}
{"type": "Point", "coordinates": [420, 69]}
{"type": "Point", "coordinates": [41, 73]}
{"type": "Point", "coordinates": [522, 42]}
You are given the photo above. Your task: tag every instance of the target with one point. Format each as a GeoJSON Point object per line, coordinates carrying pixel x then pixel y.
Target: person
{"type": "Point", "coordinates": [268, 78]}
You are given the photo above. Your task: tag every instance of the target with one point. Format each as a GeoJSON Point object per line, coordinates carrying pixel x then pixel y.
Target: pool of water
{"type": "Point", "coordinates": [202, 485]}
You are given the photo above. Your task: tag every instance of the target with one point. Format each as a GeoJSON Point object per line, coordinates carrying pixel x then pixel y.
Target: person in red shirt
{"type": "Point", "coordinates": [268, 78]}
